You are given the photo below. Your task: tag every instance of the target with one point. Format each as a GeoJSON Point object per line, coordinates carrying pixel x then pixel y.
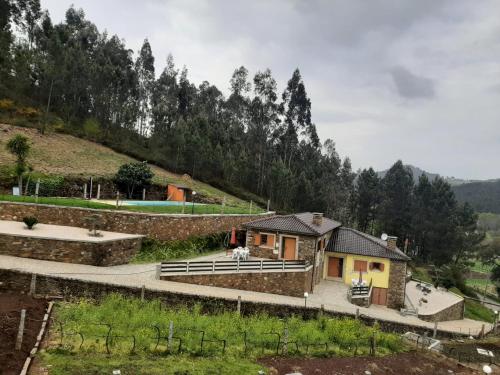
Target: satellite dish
{"type": "Point", "coordinates": [384, 236]}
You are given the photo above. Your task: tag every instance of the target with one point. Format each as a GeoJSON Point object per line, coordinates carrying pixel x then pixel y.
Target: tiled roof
{"type": "Point", "coordinates": [296, 223]}
{"type": "Point", "coordinates": [352, 241]}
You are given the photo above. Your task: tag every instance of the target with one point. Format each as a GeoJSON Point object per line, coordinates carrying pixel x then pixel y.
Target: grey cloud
{"type": "Point", "coordinates": [410, 85]}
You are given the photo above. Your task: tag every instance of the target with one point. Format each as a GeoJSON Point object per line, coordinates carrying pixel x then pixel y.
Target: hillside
{"type": "Point", "coordinates": [484, 196]}
{"type": "Point", "coordinates": [65, 155]}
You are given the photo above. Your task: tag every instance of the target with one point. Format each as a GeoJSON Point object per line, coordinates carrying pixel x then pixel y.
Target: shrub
{"type": "Point", "coordinates": [30, 221]}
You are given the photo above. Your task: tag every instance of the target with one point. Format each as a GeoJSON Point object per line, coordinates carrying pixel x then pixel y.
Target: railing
{"type": "Point", "coordinates": [230, 266]}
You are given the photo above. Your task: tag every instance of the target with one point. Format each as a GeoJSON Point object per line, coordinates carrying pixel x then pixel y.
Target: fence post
{"type": "Point", "coordinates": [33, 284]}
{"type": "Point", "coordinates": [213, 266]}
{"type": "Point", "coordinates": [98, 191]}
{"type": "Point", "coordinates": [238, 306]}
{"type": "Point", "coordinates": [117, 198]}
{"type": "Point", "coordinates": [434, 333]}
{"type": "Point", "coordinates": [251, 202]}
{"type": "Point", "coordinates": [85, 191]}
{"type": "Point", "coordinates": [282, 264]}
{"type": "Point", "coordinates": [37, 190]}
{"type": "Point", "coordinates": [261, 264]}
{"type": "Point", "coordinates": [357, 313]}
{"type": "Point", "coordinates": [144, 194]}
{"type": "Point", "coordinates": [223, 204]}
{"type": "Point", "coordinates": [285, 340]}
{"type": "Point", "coordinates": [20, 332]}
{"type": "Point", "coordinates": [187, 267]}
{"type": "Point", "coordinates": [238, 265]}
{"type": "Point", "coordinates": [158, 272]}
{"type": "Point", "coordinates": [170, 334]}
{"type": "Point", "coordinates": [90, 192]}
{"type": "Point", "coordinates": [143, 290]}
{"type": "Point", "coordinates": [268, 205]}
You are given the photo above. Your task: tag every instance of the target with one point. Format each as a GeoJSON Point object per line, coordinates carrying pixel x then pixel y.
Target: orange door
{"type": "Point", "coordinates": [290, 246]}
{"type": "Point", "coordinates": [333, 267]}
{"type": "Point", "coordinates": [379, 296]}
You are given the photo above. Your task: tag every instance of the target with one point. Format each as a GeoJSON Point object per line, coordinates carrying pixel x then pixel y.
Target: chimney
{"type": "Point", "coordinates": [392, 242]}
{"type": "Point", "coordinates": [317, 218]}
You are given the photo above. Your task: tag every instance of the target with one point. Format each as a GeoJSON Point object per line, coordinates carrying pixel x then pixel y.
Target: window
{"type": "Point", "coordinates": [266, 240]}
{"type": "Point", "coordinates": [360, 266]}
{"type": "Point", "coordinates": [377, 266]}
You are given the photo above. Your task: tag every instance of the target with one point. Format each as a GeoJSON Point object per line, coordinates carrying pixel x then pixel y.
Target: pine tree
{"type": "Point", "coordinates": [367, 199]}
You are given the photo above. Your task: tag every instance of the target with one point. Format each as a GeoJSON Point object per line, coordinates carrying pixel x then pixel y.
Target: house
{"type": "Point", "coordinates": [352, 255]}
{"type": "Point", "coordinates": [301, 236]}
{"type": "Point", "coordinates": [179, 193]}
{"type": "Point", "coordinates": [336, 253]}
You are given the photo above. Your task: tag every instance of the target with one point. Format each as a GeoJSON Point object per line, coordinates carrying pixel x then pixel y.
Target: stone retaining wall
{"type": "Point", "coordinates": [164, 227]}
{"type": "Point", "coordinates": [109, 253]}
{"type": "Point", "coordinates": [454, 312]}
{"type": "Point", "coordinates": [286, 283]}
{"type": "Point", "coordinates": [19, 281]}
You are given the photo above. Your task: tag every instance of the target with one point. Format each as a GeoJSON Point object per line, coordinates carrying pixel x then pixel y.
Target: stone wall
{"type": "Point", "coordinates": [160, 226]}
{"type": "Point", "coordinates": [286, 283]}
{"type": "Point", "coordinates": [454, 312]}
{"type": "Point", "coordinates": [108, 253]}
{"type": "Point", "coordinates": [13, 281]}
{"type": "Point", "coordinates": [306, 251]}
{"type": "Point", "coordinates": [397, 285]}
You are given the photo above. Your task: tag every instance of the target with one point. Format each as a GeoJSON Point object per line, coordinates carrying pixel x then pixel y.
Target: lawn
{"type": "Point", "coordinates": [475, 310]}
{"type": "Point", "coordinates": [77, 202]}
{"type": "Point", "coordinates": [223, 343]}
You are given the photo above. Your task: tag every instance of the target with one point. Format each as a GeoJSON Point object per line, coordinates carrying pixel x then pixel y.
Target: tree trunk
{"type": "Point", "coordinates": [20, 184]}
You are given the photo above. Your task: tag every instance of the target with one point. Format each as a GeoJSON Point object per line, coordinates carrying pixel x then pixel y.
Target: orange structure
{"type": "Point", "coordinates": [178, 193]}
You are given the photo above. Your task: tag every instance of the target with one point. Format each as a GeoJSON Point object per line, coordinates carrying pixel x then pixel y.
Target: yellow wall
{"type": "Point", "coordinates": [380, 279]}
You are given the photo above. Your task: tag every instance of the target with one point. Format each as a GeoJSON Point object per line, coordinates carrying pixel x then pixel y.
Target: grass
{"type": "Point", "coordinates": [422, 274]}
{"type": "Point", "coordinates": [85, 364]}
{"type": "Point", "coordinates": [482, 285]}
{"type": "Point", "coordinates": [64, 155]}
{"type": "Point", "coordinates": [475, 310]}
{"type": "Point", "coordinates": [76, 202]}
{"type": "Point", "coordinates": [158, 251]}
{"type": "Point", "coordinates": [130, 317]}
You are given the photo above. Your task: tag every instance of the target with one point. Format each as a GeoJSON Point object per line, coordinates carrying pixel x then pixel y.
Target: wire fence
{"type": "Point", "coordinates": [163, 339]}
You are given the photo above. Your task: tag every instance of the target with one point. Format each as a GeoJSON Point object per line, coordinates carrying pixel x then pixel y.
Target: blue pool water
{"type": "Point", "coordinates": [158, 203]}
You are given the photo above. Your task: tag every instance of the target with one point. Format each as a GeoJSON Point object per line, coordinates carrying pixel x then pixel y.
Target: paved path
{"type": "Point", "coordinates": [328, 293]}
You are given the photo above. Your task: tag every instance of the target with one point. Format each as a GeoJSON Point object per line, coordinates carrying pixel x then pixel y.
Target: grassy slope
{"type": "Point", "coordinates": [62, 154]}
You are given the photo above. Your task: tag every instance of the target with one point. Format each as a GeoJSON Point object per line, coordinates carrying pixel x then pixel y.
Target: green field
{"type": "Point", "coordinates": [119, 321]}
{"type": "Point", "coordinates": [240, 208]}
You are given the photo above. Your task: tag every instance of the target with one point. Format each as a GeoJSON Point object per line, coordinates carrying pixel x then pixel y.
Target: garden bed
{"type": "Point", "coordinates": [11, 305]}
{"type": "Point", "coordinates": [404, 363]}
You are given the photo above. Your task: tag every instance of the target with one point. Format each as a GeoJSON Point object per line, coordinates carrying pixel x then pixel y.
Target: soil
{"type": "Point", "coordinates": [11, 360]}
{"type": "Point", "coordinates": [413, 363]}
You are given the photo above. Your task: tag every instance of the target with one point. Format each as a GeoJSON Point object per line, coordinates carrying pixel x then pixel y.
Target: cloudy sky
{"type": "Point", "coordinates": [388, 79]}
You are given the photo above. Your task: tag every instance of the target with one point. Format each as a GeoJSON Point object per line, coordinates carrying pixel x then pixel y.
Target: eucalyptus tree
{"type": "Point", "coordinates": [145, 70]}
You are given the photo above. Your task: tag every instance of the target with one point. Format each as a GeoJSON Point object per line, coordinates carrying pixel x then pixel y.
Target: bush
{"type": "Point", "coordinates": [30, 221]}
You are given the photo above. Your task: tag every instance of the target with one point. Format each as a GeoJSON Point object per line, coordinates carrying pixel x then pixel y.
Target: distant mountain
{"type": "Point", "coordinates": [483, 195]}
{"type": "Point", "coordinates": [417, 172]}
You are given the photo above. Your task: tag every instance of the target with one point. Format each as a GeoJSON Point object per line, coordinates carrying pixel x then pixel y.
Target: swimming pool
{"type": "Point", "coordinates": [158, 203]}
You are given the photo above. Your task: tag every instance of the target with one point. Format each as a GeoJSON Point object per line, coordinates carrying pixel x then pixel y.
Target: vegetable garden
{"type": "Point", "coordinates": [120, 327]}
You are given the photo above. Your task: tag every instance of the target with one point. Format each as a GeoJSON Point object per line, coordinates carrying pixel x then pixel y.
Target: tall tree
{"type": "Point", "coordinates": [397, 194]}
{"type": "Point", "coordinates": [296, 109]}
{"type": "Point", "coordinates": [145, 69]}
{"type": "Point", "coordinates": [367, 199]}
